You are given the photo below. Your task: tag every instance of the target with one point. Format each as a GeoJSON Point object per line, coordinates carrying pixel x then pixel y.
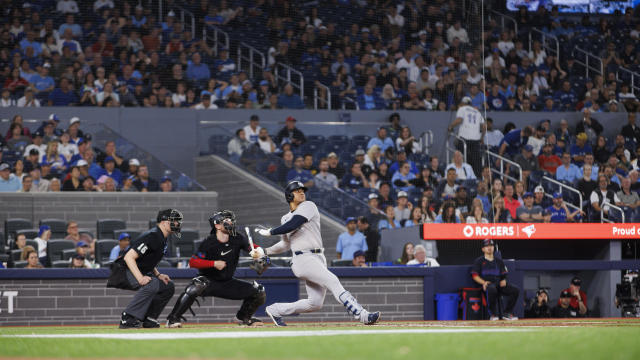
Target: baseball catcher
{"type": "Point", "coordinates": [217, 259]}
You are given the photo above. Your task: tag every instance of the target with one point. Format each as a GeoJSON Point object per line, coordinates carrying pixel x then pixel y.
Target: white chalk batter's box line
{"type": "Point", "coordinates": [259, 334]}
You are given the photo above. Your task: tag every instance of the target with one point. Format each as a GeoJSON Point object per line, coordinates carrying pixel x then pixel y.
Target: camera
{"type": "Point", "coordinates": [628, 294]}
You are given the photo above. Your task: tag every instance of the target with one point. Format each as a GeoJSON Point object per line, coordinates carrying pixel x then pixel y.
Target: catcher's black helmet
{"type": "Point", "coordinates": [291, 187]}
{"type": "Point", "coordinates": [220, 217]}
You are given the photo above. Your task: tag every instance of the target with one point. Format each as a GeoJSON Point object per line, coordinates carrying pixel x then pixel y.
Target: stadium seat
{"type": "Point", "coordinates": [316, 138]}
{"type": "Point", "coordinates": [19, 264]}
{"type": "Point", "coordinates": [218, 144]}
{"type": "Point", "coordinates": [341, 262]}
{"type": "Point", "coordinates": [196, 245]}
{"type": "Point", "coordinates": [103, 250]}
{"type": "Point", "coordinates": [132, 233]}
{"type": "Point", "coordinates": [12, 225]}
{"type": "Point", "coordinates": [60, 264]}
{"type": "Point", "coordinates": [15, 254]}
{"type": "Point", "coordinates": [55, 249]}
{"type": "Point", "coordinates": [185, 242]}
{"type": "Point", "coordinates": [164, 264]}
{"type": "Point", "coordinates": [30, 234]}
{"type": "Point", "coordinates": [58, 227]}
{"type": "Point", "coordinates": [68, 253]}
{"type": "Point", "coordinates": [105, 227]}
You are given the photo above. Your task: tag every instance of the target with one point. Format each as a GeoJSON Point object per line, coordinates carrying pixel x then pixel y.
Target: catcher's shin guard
{"type": "Point", "coordinates": [188, 297]}
{"type": "Point", "coordinates": [251, 304]}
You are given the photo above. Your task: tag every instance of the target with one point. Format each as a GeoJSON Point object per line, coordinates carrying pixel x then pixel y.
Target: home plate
{"type": "Point", "coordinates": [259, 334]}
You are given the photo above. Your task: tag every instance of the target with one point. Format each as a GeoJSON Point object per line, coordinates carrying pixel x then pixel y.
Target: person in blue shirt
{"type": "Point", "coordinates": [477, 97]}
{"type": "Point", "coordinates": [42, 82]}
{"type": "Point", "coordinates": [63, 95]}
{"type": "Point", "coordinates": [289, 100]}
{"type": "Point", "coordinates": [300, 174]}
{"type": "Point", "coordinates": [390, 221]}
{"type": "Point", "coordinates": [111, 171]}
{"type": "Point", "coordinates": [401, 179]}
{"type": "Point", "coordinates": [514, 140]}
{"type": "Point", "coordinates": [559, 213]}
{"type": "Point", "coordinates": [549, 105]}
{"type": "Point", "coordinates": [369, 100]}
{"type": "Point", "coordinates": [381, 140]}
{"type": "Point", "coordinates": [495, 100]}
{"type": "Point", "coordinates": [76, 29]}
{"type": "Point", "coordinates": [350, 241]}
{"type": "Point", "coordinates": [196, 70]}
{"type": "Point", "coordinates": [567, 171]}
{"type": "Point", "coordinates": [8, 181]}
{"type": "Point", "coordinates": [30, 41]}
{"type": "Point", "coordinates": [402, 158]}
{"type": "Point", "coordinates": [123, 245]}
{"type": "Point", "coordinates": [566, 96]}
{"type": "Point", "coordinates": [580, 149]}
{"type": "Point", "coordinates": [355, 179]}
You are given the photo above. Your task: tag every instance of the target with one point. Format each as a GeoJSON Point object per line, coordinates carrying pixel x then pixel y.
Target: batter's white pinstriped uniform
{"type": "Point", "coordinates": [311, 267]}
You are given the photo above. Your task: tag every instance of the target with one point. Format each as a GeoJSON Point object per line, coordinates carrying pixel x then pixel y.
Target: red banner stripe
{"type": "Point", "coordinates": [532, 231]}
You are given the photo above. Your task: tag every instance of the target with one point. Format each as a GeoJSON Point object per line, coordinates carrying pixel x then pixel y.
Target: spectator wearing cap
{"type": "Point", "coordinates": [559, 212]}
{"type": "Point", "coordinates": [44, 234]}
{"type": "Point", "coordinates": [528, 212]}
{"type": "Point", "coordinates": [166, 185]}
{"type": "Point", "coordinates": [132, 168]}
{"type": "Point", "coordinates": [32, 160]}
{"type": "Point", "coordinates": [41, 82]}
{"type": "Point", "coordinates": [290, 132]}
{"type": "Point", "coordinates": [324, 180]}
{"type": "Point", "coordinates": [540, 306]}
{"type": "Point", "coordinates": [123, 244]}
{"type": "Point", "coordinates": [496, 101]}
{"type": "Point", "coordinates": [463, 170]}
{"type": "Point", "coordinates": [568, 171]}
{"type": "Point", "coordinates": [580, 149]}
{"type": "Point", "coordinates": [289, 100]}
{"type": "Point", "coordinates": [372, 236]}
{"type": "Point", "coordinates": [401, 179]}
{"type": "Point", "coordinates": [420, 258]}
{"type": "Point", "coordinates": [67, 148]}
{"type": "Point", "coordinates": [403, 207]}
{"type": "Point", "coordinates": [38, 183]}
{"type": "Point", "coordinates": [589, 126]}
{"type": "Point", "coordinates": [205, 102]}
{"type": "Point", "coordinates": [334, 166]}
{"type": "Point", "coordinates": [237, 145]}
{"type": "Point", "coordinates": [253, 129]}
{"type": "Point", "coordinates": [80, 260]}
{"type": "Point", "coordinates": [490, 272]}
{"type": "Point", "coordinates": [359, 259]}
{"type": "Point", "coordinates": [381, 140]}
{"type": "Point", "coordinates": [537, 140]}
{"type": "Point", "coordinates": [401, 158]}
{"type": "Point", "coordinates": [143, 182]}
{"type": "Point", "coordinates": [564, 308]}
{"type": "Point", "coordinates": [350, 241]}
{"type": "Point", "coordinates": [8, 182]}
{"type": "Point", "coordinates": [539, 199]}
{"type": "Point", "coordinates": [548, 161]}
{"type": "Point", "coordinates": [578, 298]}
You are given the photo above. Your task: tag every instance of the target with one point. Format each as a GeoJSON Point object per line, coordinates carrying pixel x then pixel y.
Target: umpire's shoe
{"type": "Point", "coordinates": [372, 318]}
{"type": "Point", "coordinates": [129, 322]}
{"type": "Point", "coordinates": [277, 320]}
{"type": "Point", "coordinates": [248, 322]}
{"type": "Point", "coordinates": [150, 323]}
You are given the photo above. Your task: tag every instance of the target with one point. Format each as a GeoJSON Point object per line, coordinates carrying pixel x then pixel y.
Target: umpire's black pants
{"type": "Point", "coordinates": [474, 155]}
{"type": "Point", "coordinates": [150, 299]}
{"type": "Point", "coordinates": [509, 291]}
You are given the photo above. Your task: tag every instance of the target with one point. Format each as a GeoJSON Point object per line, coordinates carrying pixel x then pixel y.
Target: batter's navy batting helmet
{"type": "Point", "coordinates": [220, 217]}
{"type": "Point", "coordinates": [291, 187]}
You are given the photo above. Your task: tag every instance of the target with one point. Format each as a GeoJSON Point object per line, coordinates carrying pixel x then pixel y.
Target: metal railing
{"type": "Point", "coordinates": [591, 63]}
{"type": "Point", "coordinates": [562, 186]}
{"type": "Point", "coordinates": [215, 38]}
{"type": "Point", "coordinates": [326, 101]}
{"type": "Point", "coordinates": [634, 79]}
{"type": "Point", "coordinates": [549, 42]}
{"type": "Point", "coordinates": [611, 206]}
{"type": "Point", "coordinates": [184, 14]}
{"type": "Point", "coordinates": [348, 100]}
{"type": "Point", "coordinates": [290, 76]}
{"type": "Point", "coordinates": [251, 58]}
{"type": "Point", "coordinates": [493, 157]}
{"type": "Point", "coordinates": [504, 20]}
{"type": "Point", "coordinates": [426, 141]}
{"type": "Point", "coordinates": [451, 148]}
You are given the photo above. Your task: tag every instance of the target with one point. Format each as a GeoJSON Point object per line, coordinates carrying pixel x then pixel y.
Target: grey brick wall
{"type": "Point", "coordinates": [86, 208]}
{"type": "Point", "coordinates": [88, 301]}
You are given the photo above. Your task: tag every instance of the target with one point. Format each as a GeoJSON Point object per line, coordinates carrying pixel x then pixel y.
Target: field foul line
{"type": "Point", "coordinates": [258, 334]}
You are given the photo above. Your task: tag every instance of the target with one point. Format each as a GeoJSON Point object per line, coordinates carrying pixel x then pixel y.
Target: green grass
{"type": "Point", "coordinates": [605, 339]}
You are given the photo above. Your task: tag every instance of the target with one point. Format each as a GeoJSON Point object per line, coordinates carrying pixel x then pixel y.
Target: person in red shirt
{"type": "Point", "coordinates": [549, 161]}
{"type": "Point", "coordinates": [578, 297]}
{"type": "Point", "coordinates": [510, 203]}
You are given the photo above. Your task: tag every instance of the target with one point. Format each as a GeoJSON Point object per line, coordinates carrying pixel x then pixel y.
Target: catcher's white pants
{"type": "Point", "coordinates": [312, 268]}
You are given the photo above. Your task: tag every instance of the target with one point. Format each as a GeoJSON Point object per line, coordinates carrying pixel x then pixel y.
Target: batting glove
{"type": "Point", "coordinates": [264, 232]}
{"type": "Point", "coordinates": [257, 253]}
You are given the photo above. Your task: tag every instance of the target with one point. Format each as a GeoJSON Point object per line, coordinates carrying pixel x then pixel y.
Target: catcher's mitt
{"type": "Point", "coordinates": [261, 265]}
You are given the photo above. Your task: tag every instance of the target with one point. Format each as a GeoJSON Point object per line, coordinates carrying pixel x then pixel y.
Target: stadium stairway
{"type": "Point", "coordinates": [254, 201]}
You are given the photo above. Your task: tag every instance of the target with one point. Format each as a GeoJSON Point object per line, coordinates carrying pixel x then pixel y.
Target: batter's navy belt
{"type": "Point", "coordinates": [310, 251]}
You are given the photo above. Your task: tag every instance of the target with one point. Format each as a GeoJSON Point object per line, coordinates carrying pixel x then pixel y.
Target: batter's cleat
{"type": "Point", "coordinates": [277, 320]}
{"type": "Point", "coordinates": [248, 322]}
{"type": "Point", "coordinates": [372, 318]}
{"type": "Point", "coordinates": [494, 318]}
{"type": "Point", "coordinates": [173, 323]}
{"type": "Point", "coordinates": [509, 317]}
{"type": "Point", "coordinates": [129, 322]}
{"type": "Point", "coordinates": [150, 323]}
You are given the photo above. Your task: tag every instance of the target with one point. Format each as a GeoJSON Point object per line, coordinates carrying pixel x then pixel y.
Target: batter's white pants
{"type": "Point", "coordinates": [312, 268]}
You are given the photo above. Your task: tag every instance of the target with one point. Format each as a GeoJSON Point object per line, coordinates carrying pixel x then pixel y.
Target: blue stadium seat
{"type": "Point", "coordinates": [218, 144]}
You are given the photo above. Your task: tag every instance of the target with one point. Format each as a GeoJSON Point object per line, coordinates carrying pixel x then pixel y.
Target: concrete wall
{"type": "Point", "coordinates": [177, 135]}
{"type": "Point", "coordinates": [86, 208]}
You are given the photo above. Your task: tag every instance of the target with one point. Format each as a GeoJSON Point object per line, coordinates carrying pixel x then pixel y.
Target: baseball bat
{"type": "Point", "coordinates": [246, 229]}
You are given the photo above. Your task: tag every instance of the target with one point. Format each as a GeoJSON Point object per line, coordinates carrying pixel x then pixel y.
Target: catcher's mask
{"type": "Point", "coordinates": [174, 217]}
{"type": "Point", "coordinates": [225, 217]}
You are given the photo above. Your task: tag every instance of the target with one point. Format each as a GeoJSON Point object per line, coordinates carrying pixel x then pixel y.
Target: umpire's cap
{"type": "Point", "coordinates": [291, 187]}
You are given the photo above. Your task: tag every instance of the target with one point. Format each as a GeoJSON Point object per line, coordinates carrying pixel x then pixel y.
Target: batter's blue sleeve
{"type": "Point", "coordinates": [291, 225]}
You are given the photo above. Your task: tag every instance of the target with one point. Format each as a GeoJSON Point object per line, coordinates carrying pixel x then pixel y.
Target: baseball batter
{"type": "Point", "coordinates": [300, 232]}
